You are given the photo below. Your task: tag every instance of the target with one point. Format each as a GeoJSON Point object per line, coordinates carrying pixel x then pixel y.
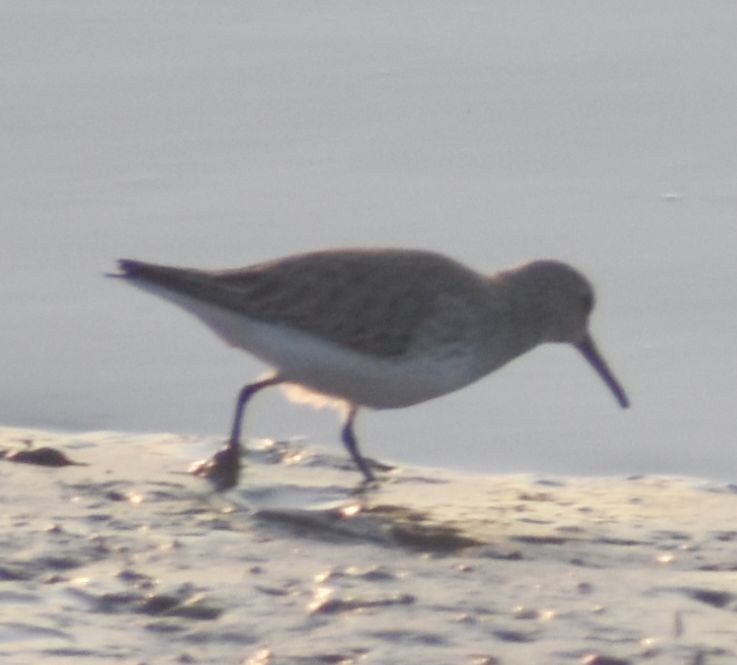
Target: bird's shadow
{"type": "Point", "coordinates": [287, 487]}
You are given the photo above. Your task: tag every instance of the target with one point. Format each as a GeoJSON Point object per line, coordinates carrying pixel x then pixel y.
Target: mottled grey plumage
{"type": "Point", "coordinates": [370, 301]}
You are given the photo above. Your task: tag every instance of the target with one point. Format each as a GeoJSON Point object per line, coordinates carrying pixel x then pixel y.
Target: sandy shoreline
{"type": "Point", "coordinates": [129, 559]}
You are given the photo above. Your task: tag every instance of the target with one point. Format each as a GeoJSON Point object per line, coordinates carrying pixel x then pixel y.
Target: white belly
{"type": "Point", "coordinates": [323, 367]}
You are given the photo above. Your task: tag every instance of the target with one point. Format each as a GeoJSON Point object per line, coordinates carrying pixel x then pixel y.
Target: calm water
{"type": "Point", "coordinates": [495, 133]}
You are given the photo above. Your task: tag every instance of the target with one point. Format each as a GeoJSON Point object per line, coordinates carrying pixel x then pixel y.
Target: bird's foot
{"type": "Point", "coordinates": [365, 487]}
{"type": "Point", "coordinates": [368, 465]}
{"type": "Point", "coordinates": [380, 466]}
{"type": "Point", "coordinates": [222, 469]}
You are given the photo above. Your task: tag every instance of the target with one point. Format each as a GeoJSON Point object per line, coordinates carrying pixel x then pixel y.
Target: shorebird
{"type": "Point", "coordinates": [376, 328]}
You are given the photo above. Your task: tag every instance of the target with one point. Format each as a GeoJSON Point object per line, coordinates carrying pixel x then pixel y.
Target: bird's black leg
{"type": "Point", "coordinates": [245, 394]}
{"type": "Point", "coordinates": [223, 468]}
{"type": "Point", "coordinates": [349, 439]}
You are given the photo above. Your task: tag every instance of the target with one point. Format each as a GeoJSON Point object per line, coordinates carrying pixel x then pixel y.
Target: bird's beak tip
{"type": "Point", "coordinates": [588, 349]}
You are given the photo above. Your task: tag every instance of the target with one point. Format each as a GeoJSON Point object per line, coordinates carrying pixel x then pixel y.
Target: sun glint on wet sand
{"type": "Point", "coordinates": [127, 559]}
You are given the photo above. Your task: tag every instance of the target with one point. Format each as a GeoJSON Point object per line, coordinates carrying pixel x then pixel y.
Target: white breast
{"type": "Point", "coordinates": [329, 369]}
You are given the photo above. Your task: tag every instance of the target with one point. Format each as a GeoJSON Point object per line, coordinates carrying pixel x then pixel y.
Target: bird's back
{"type": "Point", "coordinates": [370, 301]}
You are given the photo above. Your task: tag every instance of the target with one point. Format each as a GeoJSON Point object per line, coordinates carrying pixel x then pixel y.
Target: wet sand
{"type": "Point", "coordinates": [126, 558]}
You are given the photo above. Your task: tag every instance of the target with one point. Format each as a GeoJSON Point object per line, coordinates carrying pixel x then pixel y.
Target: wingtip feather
{"type": "Point", "coordinates": [128, 268]}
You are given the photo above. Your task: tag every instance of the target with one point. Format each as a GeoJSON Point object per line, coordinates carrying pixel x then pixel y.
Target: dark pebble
{"type": "Point", "coordinates": [513, 636]}
{"type": "Point", "coordinates": [41, 457]}
{"type": "Point", "coordinates": [599, 659]}
{"type": "Point", "coordinates": [713, 598]}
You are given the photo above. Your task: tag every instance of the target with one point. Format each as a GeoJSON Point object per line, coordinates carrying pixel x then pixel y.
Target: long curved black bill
{"type": "Point", "coordinates": [587, 347]}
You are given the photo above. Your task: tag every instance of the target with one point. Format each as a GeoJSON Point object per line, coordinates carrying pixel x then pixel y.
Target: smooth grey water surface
{"type": "Point", "coordinates": [223, 135]}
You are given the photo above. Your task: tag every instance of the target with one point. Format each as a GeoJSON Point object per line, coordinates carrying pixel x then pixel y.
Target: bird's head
{"type": "Point", "coordinates": [559, 301]}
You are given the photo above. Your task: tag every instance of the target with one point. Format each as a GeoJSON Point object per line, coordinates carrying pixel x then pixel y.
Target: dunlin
{"type": "Point", "coordinates": [380, 328]}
